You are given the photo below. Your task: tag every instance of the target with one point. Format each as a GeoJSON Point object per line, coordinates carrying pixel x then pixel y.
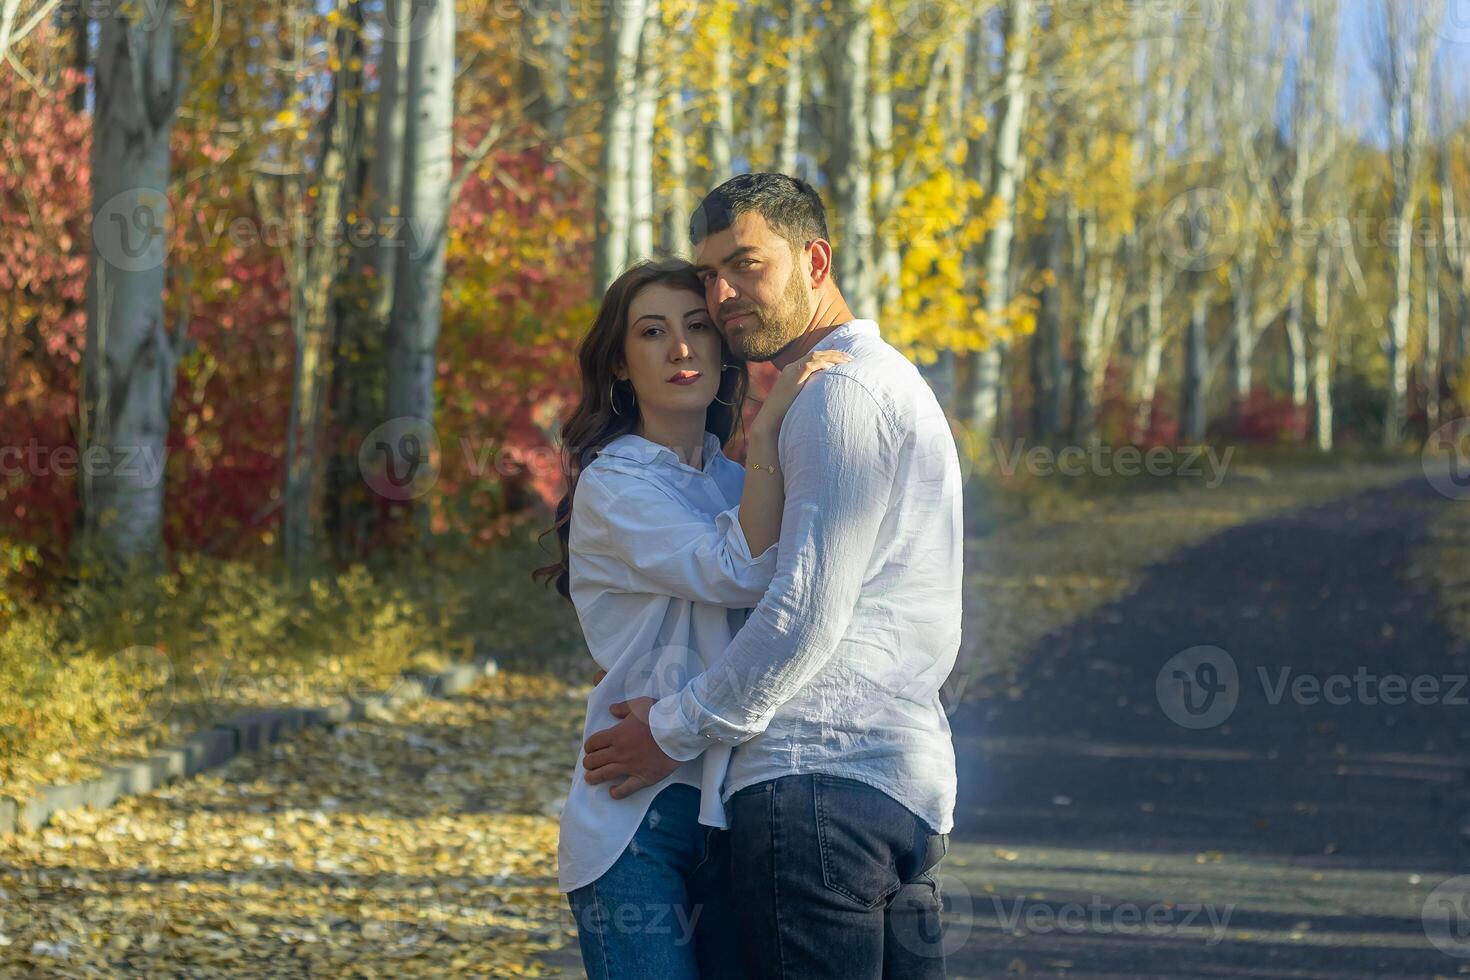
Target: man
{"type": "Point", "coordinates": [840, 794]}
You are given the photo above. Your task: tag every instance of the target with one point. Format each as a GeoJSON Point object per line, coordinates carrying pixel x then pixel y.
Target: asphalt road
{"type": "Point", "coordinates": [1293, 822]}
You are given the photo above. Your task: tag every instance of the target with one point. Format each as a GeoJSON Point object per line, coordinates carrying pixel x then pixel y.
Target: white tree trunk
{"type": "Point", "coordinates": [1242, 328]}
{"type": "Point", "coordinates": [1457, 251]}
{"type": "Point", "coordinates": [791, 88]}
{"type": "Point", "coordinates": [624, 32]}
{"type": "Point", "coordinates": [721, 133]}
{"type": "Point", "coordinates": [427, 173]}
{"type": "Point", "coordinates": [1403, 62]}
{"type": "Point", "coordinates": [1312, 117]}
{"type": "Point", "coordinates": [386, 178]}
{"type": "Point", "coordinates": [887, 261]}
{"type": "Point", "coordinates": [645, 113]}
{"type": "Point", "coordinates": [851, 157]}
{"type": "Point", "coordinates": [128, 365]}
{"type": "Point", "coordinates": [1322, 356]}
{"type": "Point", "coordinates": [1146, 377]}
{"type": "Point", "coordinates": [1296, 341]}
{"type": "Point", "coordinates": [1432, 365]}
{"type": "Point", "coordinates": [1398, 331]}
{"type": "Point", "coordinates": [679, 205]}
{"type": "Point", "coordinates": [1164, 96]}
{"type": "Point", "coordinates": [981, 388]}
{"type": "Point", "coordinates": [1196, 367]}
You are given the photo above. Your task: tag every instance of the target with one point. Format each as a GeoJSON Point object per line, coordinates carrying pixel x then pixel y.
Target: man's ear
{"type": "Point", "coordinates": [820, 251]}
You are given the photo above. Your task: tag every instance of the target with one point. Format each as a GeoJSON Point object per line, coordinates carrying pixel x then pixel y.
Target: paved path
{"type": "Point", "coordinates": [1096, 837]}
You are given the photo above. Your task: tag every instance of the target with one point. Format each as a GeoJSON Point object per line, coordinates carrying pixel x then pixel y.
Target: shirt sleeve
{"type": "Point", "coordinates": [839, 454]}
{"type": "Point", "coordinates": [632, 536]}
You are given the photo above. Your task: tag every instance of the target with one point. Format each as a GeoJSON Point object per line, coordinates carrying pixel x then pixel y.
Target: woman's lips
{"type": "Point", "coordinates": [685, 379]}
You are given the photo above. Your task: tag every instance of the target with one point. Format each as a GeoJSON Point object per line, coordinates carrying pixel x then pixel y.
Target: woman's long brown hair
{"type": "Point", "coordinates": [595, 422]}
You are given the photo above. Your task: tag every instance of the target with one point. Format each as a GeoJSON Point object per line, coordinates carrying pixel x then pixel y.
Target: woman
{"type": "Point", "coordinates": [664, 547]}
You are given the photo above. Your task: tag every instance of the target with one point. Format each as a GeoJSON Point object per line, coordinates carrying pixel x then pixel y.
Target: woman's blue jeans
{"type": "Point", "coordinates": [663, 910]}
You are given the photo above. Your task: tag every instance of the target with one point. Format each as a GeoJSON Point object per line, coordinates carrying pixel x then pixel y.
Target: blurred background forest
{"type": "Point", "coordinates": [291, 291]}
{"type": "Point", "coordinates": [1143, 222]}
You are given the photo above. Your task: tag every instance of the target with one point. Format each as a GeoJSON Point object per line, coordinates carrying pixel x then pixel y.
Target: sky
{"type": "Point", "coordinates": [1362, 102]}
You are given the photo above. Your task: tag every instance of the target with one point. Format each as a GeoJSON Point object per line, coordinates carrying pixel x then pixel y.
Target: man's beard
{"type": "Point", "coordinates": [771, 331]}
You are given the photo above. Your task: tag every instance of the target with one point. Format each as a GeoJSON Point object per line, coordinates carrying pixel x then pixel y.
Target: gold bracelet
{"type": "Point", "coordinates": [758, 467]}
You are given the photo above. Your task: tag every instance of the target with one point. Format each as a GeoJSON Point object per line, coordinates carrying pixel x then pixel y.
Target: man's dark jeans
{"type": "Point", "coordinates": [833, 878]}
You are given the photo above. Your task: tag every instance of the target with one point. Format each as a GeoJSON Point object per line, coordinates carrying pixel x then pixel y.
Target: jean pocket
{"type": "Point", "coordinates": [856, 833]}
{"type": "Point", "coordinates": [936, 847]}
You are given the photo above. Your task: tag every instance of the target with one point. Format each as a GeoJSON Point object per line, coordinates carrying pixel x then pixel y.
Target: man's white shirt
{"type": "Point", "coordinates": [838, 668]}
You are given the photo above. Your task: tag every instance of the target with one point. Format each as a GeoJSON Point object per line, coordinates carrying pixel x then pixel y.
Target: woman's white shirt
{"type": "Point", "coordinates": [662, 578]}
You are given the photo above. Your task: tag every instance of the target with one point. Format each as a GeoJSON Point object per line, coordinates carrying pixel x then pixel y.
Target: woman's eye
{"type": "Point", "coordinates": [698, 325]}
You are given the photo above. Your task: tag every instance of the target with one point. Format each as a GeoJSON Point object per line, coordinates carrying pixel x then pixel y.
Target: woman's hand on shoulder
{"type": "Point", "coordinates": [788, 385]}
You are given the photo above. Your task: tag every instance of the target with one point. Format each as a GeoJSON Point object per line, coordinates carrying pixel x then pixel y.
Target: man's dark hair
{"type": "Point", "coordinates": [790, 206]}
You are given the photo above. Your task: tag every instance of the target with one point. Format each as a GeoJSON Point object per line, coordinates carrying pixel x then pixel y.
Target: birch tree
{"type": "Point", "coordinates": [365, 306]}
{"type": "Point", "coordinates": [850, 161]}
{"type": "Point", "coordinates": [1313, 136]}
{"type": "Point", "coordinates": [792, 86]}
{"type": "Point", "coordinates": [1165, 92]}
{"type": "Point", "coordinates": [979, 372]}
{"type": "Point", "coordinates": [427, 175]}
{"type": "Point", "coordinates": [1402, 54]}
{"type": "Point", "coordinates": [621, 43]}
{"type": "Point", "coordinates": [645, 110]}
{"type": "Point", "coordinates": [130, 355]}
{"type": "Point", "coordinates": [1453, 188]}
{"type": "Point", "coordinates": [313, 268]}
{"type": "Point", "coordinates": [1249, 70]}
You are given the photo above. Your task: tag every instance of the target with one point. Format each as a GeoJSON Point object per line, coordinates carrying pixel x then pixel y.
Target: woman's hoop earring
{"type": "Point", "coordinates": [612, 398]}
{"type": "Point", "coordinates": [723, 369]}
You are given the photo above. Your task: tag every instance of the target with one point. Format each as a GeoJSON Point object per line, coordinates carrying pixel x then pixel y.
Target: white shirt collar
{"type": "Point", "coordinates": [848, 329]}
{"type": "Point", "coordinates": [640, 450]}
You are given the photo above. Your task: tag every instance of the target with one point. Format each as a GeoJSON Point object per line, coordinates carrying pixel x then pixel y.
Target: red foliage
{"type": "Point", "coordinates": [43, 284]}
{"type": "Point", "coordinates": [1264, 417]}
